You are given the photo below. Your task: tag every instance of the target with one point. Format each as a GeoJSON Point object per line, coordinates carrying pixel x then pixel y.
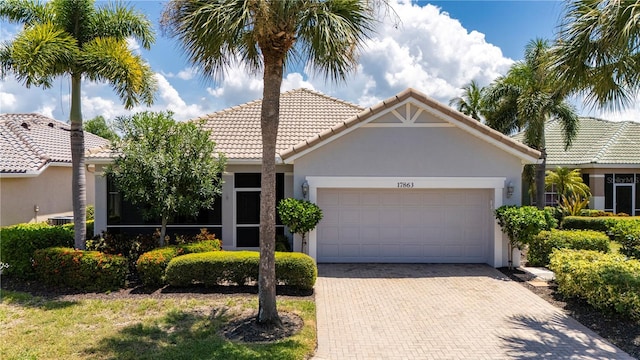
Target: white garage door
{"type": "Point", "coordinates": [404, 225]}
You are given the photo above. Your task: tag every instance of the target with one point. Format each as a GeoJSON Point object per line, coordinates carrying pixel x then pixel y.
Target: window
{"type": "Point", "coordinates": [247, 212]}
{"type": "Point", "coordinates": [551, 197]}
{"type": "Point", "coordinates": [124, 217]}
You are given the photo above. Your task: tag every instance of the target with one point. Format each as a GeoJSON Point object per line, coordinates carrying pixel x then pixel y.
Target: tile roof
{"type": "Point", "coordinates": [464, 120]}
{"type": "Point", "coordinates": [597, 142]}
{"type": "Point", "coordinates": [29, 142]}
{"type": "Point", "coordinates": [303, 114]}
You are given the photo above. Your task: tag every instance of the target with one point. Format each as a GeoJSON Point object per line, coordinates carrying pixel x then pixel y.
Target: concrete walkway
{"type": "Point", "coordinates": [381, 311]}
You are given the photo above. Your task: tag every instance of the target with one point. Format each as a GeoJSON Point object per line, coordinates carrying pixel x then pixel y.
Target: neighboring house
{"type": "Point", "coordinates": [407, 180]}
{"type": "Point", "coordinates": [608, 156]}
{"type": "Point", "coordinates": [35, 168]}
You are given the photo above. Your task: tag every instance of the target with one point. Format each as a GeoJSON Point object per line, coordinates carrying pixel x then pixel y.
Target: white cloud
{"type": "Point", "coordinates": [133, 45]}
{"type": "Point", "coordinates": [187, 74]}
{"type": "Point", "coordinates": [427, 51]}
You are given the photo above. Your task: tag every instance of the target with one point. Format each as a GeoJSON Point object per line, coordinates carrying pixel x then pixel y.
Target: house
{"type": "Point", "coordinates": [608, 156]}
{"type": "Point", "coordinates": [35, 168]}
{"type": "Point", "coordinates": [407, 180]}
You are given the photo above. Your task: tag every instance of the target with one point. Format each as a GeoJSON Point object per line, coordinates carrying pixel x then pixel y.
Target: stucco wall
{"type": "Point", "coordinates": [421, 152]}
{"type": "Point", "coordinates": [407, 152]}
{"type": "Point", "coordinates": [50, 191]}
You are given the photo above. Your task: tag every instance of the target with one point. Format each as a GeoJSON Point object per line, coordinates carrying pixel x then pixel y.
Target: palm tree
{"type": "Point", "coordinates": [268, 35]}
{"type": "Point", "coordinates": [567, 182]}
{"type": "Point", "coordinates": [471, 102]}
{"type": "Point", "coordinates": [597, 53]}
{"type": "Point", "coordinates": [76, 39]}
{"type": "Point", "coordinates": [527, 97]}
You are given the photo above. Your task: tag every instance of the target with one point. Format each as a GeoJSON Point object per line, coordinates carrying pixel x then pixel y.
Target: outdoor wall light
{"type": "Point", "coordinates": [305, 189]}
{"type": "Point", "coordinates": [509, 189]}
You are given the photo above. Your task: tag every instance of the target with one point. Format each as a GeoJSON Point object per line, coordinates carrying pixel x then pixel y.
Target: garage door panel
{"type": "Point", "coordinates": [404, 225]}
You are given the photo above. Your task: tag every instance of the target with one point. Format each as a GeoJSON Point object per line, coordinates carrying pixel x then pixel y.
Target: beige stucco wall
{"type": "Point", "coordinates": [50, 192]}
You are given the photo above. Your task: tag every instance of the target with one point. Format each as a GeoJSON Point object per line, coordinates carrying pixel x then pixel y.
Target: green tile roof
{"type": "Point", "coordinates": [597, 142]}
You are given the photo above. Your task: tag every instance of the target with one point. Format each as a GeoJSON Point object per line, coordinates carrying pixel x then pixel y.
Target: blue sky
{"type": "Point", "coordinates": [439, 47]}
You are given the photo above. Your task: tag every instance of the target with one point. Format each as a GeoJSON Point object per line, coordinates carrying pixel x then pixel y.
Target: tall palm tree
{"type": "Point", "coordinates": [268, 35]}
{"type": "Point", "coordinates": [74, 38]}
{"type": "Point", "coordinates": [471, 102]}
{"type": "Point", "coordinates": [598, 51]}
{"type": "Point", "coordinates": [567, 182]}
{"type": "Point", "coordinates": [527, 96]}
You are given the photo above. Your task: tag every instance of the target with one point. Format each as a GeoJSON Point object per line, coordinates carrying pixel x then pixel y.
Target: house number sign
{"type": "Point", "coordinates": [405, 185]}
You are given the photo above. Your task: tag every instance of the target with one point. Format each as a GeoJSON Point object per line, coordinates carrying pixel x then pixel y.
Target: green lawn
{"type": "Point", "coordinates": [145, 328]}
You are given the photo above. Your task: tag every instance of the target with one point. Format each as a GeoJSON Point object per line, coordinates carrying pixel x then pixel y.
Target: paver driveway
{"type": "Point", "coordinates": [383, 311]}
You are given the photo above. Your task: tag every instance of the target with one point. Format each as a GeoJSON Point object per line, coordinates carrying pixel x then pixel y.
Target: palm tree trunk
{"type": "Point", "coordinates": [78, 180]}
{"type": "Point", "coordinates": [540, 174]}
{"type": "Point", "coordinates": [267, 311]}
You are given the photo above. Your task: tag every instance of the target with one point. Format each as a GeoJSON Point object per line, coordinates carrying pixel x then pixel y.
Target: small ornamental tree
{"type": "Point", "coordinates": [166, 168]}
{"type": "Point", "coordinates": [300, 216]}
{"type": "Point", "coordinates": [521, 224]}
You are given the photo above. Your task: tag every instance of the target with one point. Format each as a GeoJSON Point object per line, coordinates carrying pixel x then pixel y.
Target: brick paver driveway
{"type": "Point", "coordinates": [380, 311]}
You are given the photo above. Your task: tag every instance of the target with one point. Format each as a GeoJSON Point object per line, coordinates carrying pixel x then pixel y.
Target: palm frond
{"type": "Point", "coordinates": [40, 53]}
{"type": "Point", "coordinates": [25, 12]}
{"type": "Point", "coordinates": [120, 22]}
{"type": "Point", "coordinates": [108, 59]}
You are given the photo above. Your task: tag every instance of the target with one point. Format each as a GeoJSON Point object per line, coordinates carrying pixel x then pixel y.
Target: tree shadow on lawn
{"type": "Point", "coordinates": [29, 301]}
{"type": "Point", "coordinates": [187, 335]}
{"type": "Point", "coordinates": [219, 289]}
{"type": "Point", "coordinates": [555, 339]}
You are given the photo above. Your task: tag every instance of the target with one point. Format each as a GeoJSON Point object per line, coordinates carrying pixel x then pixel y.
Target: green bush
{"type": "Point", "coordinates": [627, 233]}
{"type": "Point", "coordinates": [151, 265]}
{"type": "Point", "coordinates": [605, 281]}
{"type": "Point", "coordinates": [84, 270]}
{"type": "Point", "coordinates": [604, 223]}
{"type": "Point", "coordinates": [545, 242]}
{"type": "Point", "coordinates": [129, 246]}
{"type": "Point", "coordinates": [239, 267]}
{"type": "Point", "coordinates": [88, 225]}
{"type": "Point", "coordinates": [18, 242]}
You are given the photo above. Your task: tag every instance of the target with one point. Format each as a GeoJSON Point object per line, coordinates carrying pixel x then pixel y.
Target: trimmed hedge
{"type": "Point", "coordinates": [151, 265]}
{"type": "Point", "coordinates": [627, 233]}
{"type": "Point", "coordinates": [18, 242]}
{"type": "Point", "coordinates": [605, 281]}
{"type": "Point", "coordinates": [545, 242]}
{"type": "Point", "coordinates": [84, 270]}
{"type": "Point", "coordinates": [240, 267]}
{"type": "Point", "coordinates": [604, 224]}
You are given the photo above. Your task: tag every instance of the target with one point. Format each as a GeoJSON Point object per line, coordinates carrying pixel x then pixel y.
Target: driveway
{"type": "Point", "coordinates": [416, 311]}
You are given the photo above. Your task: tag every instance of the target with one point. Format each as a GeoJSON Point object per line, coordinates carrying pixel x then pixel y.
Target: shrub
{"type": "Point", "coordinates": [125, 245]}
{"type": "Point", "coordinates": [88, 224]}
{"type": "Point", "coordinates": [239, 267]}
{"type": "Point", "coordinates": [84, 270]}
{"type": "Point", "coordinates": [595, 213]}
{"type": "Point", "coordinates": [605, 281]}
{"type": "Point", "coordinates": [18, 242]}
{"type": "Point", "coordinates": [151, 265]}
{"type": "Point", "coordinates": [627, 233]}
{"type": "Point", "coordinates": [545, 242]}
{"type": "Point", "coordinates": [522, 223]}
{"type": "Point", "coordinates": [604, 224]}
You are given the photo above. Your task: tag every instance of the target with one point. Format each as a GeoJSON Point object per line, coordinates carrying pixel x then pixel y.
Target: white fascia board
{"type": "Point", "coordinates": [524, 157]}
{"type": "Point", "coordinates": [594, 166]}
{"type": "Point", "coordinates": [98, 161]}
{"type": "Point", "coordinates": [232, 161]}
{"type": "Point", "coordinates": [406, 182]}
{"type": "Point", "coordinates": [292, 158]}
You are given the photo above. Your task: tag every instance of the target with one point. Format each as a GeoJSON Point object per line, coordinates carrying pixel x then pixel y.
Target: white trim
{"type": "Point", "coordinates": [421, 106]}
{"type": "Point", "coordinates": [482, 136]}
{"type": "Point", "coordinates": [495, 183]}
{"type": "Point", "coordinates": [36, 173]}
{"type": "Point", "coordinates": [593, 166]}
{"type": "Point", "coordinates": [596, 175]}
{"type": "Point", "coordinates": [360, 182]}
{"type": "Point", "coordinates": [414, 125]}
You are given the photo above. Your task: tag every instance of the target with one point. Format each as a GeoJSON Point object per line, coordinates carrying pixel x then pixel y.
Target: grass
{"type": "Point", "coordinates": [176, 328]}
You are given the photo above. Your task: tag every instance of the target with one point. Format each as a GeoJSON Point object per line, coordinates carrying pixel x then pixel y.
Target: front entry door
{"type": "Point", "coordinates": [623, 199]}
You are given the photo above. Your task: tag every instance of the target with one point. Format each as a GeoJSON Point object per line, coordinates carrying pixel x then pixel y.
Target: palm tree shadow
{"type": "Point", "coordinates": [555, 339]}
{"type": "Point", "coordinates": [180, 334]}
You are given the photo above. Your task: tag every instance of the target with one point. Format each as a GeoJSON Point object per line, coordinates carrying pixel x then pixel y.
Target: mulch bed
{"type": "Point", "coordinates": [618, 330]}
